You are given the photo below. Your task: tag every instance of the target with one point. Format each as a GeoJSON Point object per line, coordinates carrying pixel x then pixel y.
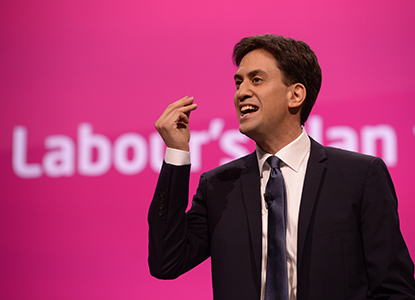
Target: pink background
{"type": "Point", "coordinates": [115, 65]}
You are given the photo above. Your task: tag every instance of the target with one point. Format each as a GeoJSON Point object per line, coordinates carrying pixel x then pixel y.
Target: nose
{"type": "Point", "coordinates": [243, 92]}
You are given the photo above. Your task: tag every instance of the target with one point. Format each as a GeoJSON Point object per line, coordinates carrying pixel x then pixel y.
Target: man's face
{"type": "Point", "coordinates": [261, 98]}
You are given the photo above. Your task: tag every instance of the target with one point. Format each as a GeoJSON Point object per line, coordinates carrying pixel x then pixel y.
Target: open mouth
{"type": "Point", "coordinates": [247, 109]}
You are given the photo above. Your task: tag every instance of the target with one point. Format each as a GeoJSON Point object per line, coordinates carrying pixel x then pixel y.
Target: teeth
{"type": "Point", "coordinates": [248, 108]}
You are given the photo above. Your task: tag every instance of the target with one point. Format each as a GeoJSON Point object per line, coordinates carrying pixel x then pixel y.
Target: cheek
{"type": "Point", "coordinates": [236, 103]}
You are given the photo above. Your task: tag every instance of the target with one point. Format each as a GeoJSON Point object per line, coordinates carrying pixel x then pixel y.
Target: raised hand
{"type": "Point", "coordinates": [173, 123]}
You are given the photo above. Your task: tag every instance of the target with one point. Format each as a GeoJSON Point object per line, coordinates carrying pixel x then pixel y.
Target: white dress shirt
{"type": "Point", "coordinates": [294, 159]}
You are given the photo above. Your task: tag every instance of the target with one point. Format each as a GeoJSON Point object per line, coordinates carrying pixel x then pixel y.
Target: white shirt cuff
{"type": "Point", "coordinates": [177, 157]}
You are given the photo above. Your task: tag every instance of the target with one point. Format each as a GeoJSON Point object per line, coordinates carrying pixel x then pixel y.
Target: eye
{"type": "Point", "coordinates": [256, 80]}
{"type": "Point", "coordinates": [238, 83]}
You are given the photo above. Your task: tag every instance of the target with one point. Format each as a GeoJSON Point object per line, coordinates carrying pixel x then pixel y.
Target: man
{"type": "Point", "coordinates": [341, 236]}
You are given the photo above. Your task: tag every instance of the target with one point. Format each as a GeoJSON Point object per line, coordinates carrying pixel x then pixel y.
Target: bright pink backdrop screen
{"type": "Point", "coordinates": [82, 83]}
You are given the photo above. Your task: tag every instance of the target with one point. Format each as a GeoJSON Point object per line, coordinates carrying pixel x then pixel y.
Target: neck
{"type": "Point", "coordinates": [275, 143]}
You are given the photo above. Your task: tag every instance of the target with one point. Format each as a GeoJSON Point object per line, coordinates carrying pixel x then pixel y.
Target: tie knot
{"type": "Point", "coordinates": [274, 162]}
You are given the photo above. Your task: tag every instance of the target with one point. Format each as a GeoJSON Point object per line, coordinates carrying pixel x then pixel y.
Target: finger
{"type": "Point", "coordinates": [176, 113]}
{"type": "Point", "coordinates": [183, 102]}
{"type": "Point", "coordinates": [183, 118]}
{"type": "Point", "coordinates": [181, 114]}
{"type": "Point", "coordinates": [169, 121]}
{"type": "Point", "coordinates": [184, 105]}
{"type": "Point", "coordinates": [187, 109]}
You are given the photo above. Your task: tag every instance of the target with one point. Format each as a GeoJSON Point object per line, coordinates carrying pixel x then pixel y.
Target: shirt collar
{"type": "Point", "coordinates": [291, 155]}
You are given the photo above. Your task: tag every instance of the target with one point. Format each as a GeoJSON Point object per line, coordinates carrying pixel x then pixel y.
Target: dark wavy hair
{"type": "Point", "coordinates": [295, 59]}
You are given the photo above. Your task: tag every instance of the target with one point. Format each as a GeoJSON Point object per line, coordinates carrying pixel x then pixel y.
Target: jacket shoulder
{"type": "Point", "coordinates": [320, 152]}
{"type": "Point", "coordinates": [234, 167]}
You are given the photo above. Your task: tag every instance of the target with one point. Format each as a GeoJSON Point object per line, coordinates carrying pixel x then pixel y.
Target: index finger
{"type": "Point", "coordinates": [184, 105]}
{"type": "Point", "coordinates": [185, 101]}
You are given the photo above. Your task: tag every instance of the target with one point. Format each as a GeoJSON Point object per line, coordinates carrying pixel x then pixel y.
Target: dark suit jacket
{"type": "Point", "coordinates": [349, 242]}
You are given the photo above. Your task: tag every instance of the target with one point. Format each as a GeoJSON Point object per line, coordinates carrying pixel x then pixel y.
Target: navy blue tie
{"type": "Point", "coordinates": [276, 286]}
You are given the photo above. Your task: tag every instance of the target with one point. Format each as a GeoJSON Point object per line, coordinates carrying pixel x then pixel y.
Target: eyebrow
{"type": "Point", "coordinates": [250, 74]}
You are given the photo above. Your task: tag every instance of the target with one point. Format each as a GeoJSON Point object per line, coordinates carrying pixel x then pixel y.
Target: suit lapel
{"type": "Point", "coordinates": [312, 182]}
{"type": "Point", "coordinates": [251, 191]}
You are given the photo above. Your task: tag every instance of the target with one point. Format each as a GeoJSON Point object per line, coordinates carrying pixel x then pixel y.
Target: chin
{"type": "Point", "coordinates": [246, 131]}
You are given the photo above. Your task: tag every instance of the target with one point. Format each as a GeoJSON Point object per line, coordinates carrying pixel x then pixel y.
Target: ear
{"type": "Point", "coordinates": [297, 97]}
